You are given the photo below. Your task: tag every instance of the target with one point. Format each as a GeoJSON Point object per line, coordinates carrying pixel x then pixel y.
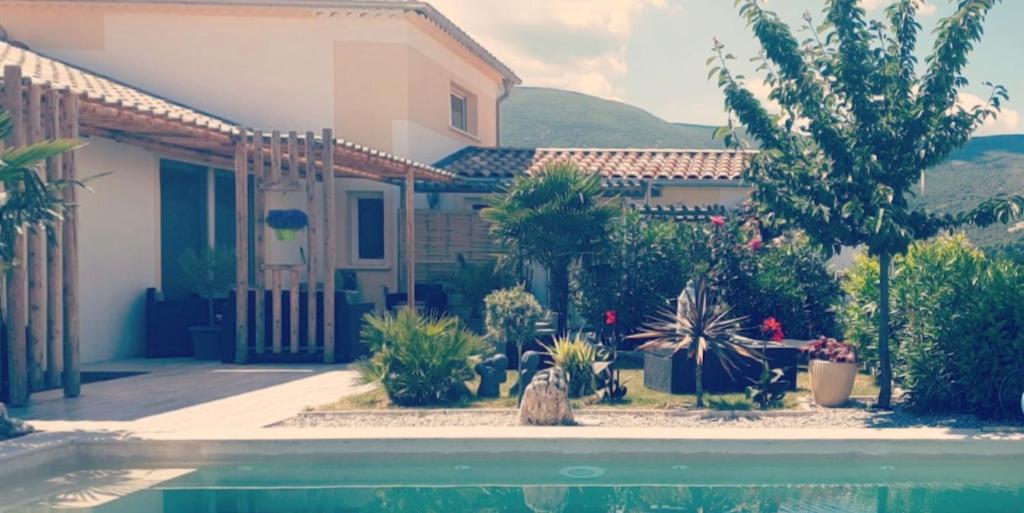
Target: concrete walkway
{"type": "Point", "coordinates": [177, 394]}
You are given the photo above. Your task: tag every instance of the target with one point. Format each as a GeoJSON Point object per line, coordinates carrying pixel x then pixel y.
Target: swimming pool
{"type": "Point", "coordinates": [539, 483]}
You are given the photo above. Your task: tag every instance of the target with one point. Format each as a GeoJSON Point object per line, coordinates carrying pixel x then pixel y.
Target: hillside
{"type": "Point", "coordinates": [538, 117]}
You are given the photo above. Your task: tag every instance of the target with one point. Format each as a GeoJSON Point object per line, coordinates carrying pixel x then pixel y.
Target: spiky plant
{"type": "Point", "coordinates": [699, 325]}
{"type": "Point", "coordinates": [576, 357]}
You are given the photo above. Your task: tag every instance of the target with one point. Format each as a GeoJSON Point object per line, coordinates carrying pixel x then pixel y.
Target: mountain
{"type": "Point", "coordinates": [542, 117]}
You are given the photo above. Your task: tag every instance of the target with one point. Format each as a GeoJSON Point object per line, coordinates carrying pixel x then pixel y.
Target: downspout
{"type": "Point", "coordinates": [506, 90]}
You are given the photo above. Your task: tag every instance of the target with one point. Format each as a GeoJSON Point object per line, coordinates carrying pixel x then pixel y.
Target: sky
{"type": "Point", "coordinates": [652, 53]}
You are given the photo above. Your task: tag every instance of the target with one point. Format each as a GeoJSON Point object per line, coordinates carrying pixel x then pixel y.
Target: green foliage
{"type": "Point", "coordinates": [27, 199]}
{"type": "Point", "coordinates": [770, 389]}
{"type": "Point", "coordinates": [511, 316]}
{"type": "Point", "coordinates": [475, 280]}
{"type": "Point", "coordinates": [859, 126]}
{"type": "Point", "coordinates": [553, 217]}
{"type": "Point", "coordinates": [419, 361]}
{"type": "Point", "coordinates": [957, 320]}
{"type": "Point", "coordinates": [642, 265]}
{"type": "Point", "coordinates": [576, 357]}
{"type": "Point", "coordinates": [207, 272]}
{"type": "Point", "coordinates": [700, 324]}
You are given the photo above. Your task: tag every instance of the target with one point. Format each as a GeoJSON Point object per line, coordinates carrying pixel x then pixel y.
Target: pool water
{"type": "Point", "coordinates": [544, 484]}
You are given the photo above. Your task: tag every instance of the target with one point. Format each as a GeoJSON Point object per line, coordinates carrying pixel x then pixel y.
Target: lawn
{"type": "Point", "coordinates": [639, 397]}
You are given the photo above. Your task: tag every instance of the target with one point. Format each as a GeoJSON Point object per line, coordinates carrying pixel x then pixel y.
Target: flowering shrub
{"type": "Point", "coordinates": [287, 219]}
{"type": "Point", "coordinates": [829, 349]}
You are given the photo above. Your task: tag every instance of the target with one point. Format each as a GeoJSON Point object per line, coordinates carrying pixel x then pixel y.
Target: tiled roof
{"type": "Point", "coordinates": [612, 163]}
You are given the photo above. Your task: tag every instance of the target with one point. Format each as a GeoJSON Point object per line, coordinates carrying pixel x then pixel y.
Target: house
{"type": "Point", "coordinates": [175, 96]}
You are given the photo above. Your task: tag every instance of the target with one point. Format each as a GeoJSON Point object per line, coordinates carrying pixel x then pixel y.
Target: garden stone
{"type": "Point", "coordinates": [527, 369]}
{"type": "Point", "coordinates": [10, 428]}
{"type": "Point", "coordinates": [546, 400]}
{"type": "Point", "coordinates": [492, 375]}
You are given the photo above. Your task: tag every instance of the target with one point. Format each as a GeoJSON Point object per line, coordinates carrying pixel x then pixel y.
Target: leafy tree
{"type": "Point", "coordinates": [553, 218]}
{"type": "Point", "coordinates": [858, 127]}
{"type": "Point", "coordinates": [207, 273]}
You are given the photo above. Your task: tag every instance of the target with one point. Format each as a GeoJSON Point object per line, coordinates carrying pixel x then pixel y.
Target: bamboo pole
{"type": "Point", "coordinates": [259, 197]}
{"type": "Point", "coordinates": [330, 246]}
{"type": "Point", "coordinates": [36, 261]}
{"type": "Point", "coordinates": [54, 257]}
{"type": "Point", "coordinates": [275, 299]}
{"type": "Point", "coordinates": [17, 313]}
{"type": "Point", "coordinates": [72, 377]}
{"type": "Point", "coordinates": [241, 249]}
{"type": "Point", "coordinates": [410, 237]}
{"type": "Point", "coordinates": [312, 253]}
{"type": "Point", "coordinates": [293, 157]}
{"type": "Point", "coordinates": [275, 157]}
{"type": "Point", "coordinates": [293, 309]}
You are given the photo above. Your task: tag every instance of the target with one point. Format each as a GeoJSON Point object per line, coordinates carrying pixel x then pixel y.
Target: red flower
{"type": "Point", "coordinates": [718, 220]}
{"type": "Point", "coordinates": [755, 244]}
{"type": "Point", "coordinates": [772, 327]}
{"type": "Point", "coordinates": [610, 317]}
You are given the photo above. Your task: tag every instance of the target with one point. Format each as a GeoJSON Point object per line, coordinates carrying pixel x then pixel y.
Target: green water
{"type": "Point", "coordinates": [547, 484]}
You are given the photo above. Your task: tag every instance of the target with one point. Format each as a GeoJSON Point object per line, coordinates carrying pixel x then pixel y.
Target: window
{"type": "Point", "coordinates": [460, 111]}
{"type": "Point", "coordinates": [367, 227]}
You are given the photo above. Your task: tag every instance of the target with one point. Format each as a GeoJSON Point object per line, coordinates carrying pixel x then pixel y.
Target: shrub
{"type": "Point", "coordinates": [641, 267]}
{"type": "Point", "coordinates": [474, 280]}
{"type": "Point", "coordinates": [419, 361]}
{"type": "Point", "coordinates": [576, 357]}
{"type": "Point", "coordinates": [830, 350]}
{"type": "Point", "coordinates": [207, 273]}
{"type": "Point", "coordinates": [511, 316]}
{"type": "Point", "coordinates": [958, 323]}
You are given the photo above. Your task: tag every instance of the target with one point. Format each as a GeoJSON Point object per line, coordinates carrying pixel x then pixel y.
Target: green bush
{"type": "Point", "coordinates": [474, 280]}
{"type": "Point", "coordinates": [576, 357]}
{"type": "Point", "coordinates": [419, 361]}
{"type": "Point", "coordinates": [957, 323]}
{"type": "Point", "coordinates": [511, 316]}
{"type": "Point", "coordinates": [640, 268]}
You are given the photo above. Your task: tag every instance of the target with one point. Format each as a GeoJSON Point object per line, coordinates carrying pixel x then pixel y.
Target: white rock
{"type": "Point", "coordinates": [546, 400]}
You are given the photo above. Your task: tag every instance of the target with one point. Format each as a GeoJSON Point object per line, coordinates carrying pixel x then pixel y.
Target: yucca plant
{"type": "Point", "coordinates": [699, 325]}
{"type": "Point", "coordinates": [576, 357]}
{"type": "Point", "coordinates": [419, 360]}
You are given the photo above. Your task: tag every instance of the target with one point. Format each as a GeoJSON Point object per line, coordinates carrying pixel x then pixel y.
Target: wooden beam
{"type": "Point", "coordinates": [241, 250]}
{"type": "Point", "coordinates": [293, 306]}
{"type": "Point", "coordinates": [54, 255]}
{"type": "Point", "coordinates": [36, 261]}
{"type": "Point", "coordinates": [330, 245]}
{"type": "Point", "coordinates": [293, 157]}
{"type": "Point", "coordinates": [313, 250]}
{"type": "Point", "coordinates": [206, 157]}
{"type": "Point", "coordinates": [275, 309]}
{"type": "Point", "coordinates": [275, 157]}
{"type": "Point", "coordinates": [17, 311]}
{"type": "Point", "coordinates": [259, 197]}
{"type": "Point", "coordinates": [72, 377]}
{"type": "Point", "coordinates": [410, 236]}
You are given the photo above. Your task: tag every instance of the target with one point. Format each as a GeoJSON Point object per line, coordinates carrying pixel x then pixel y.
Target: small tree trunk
{"type": "Point", "coordinates": [699, 383]}
{"type": "Point", "coordinates": [884, 360]}
{"type": "Point", "coordinates": [559, 276]}
{"type": "Point", "coordinates": [209, 312]}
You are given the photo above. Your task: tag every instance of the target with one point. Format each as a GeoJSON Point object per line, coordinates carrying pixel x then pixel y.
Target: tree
{"type": "Point", "coordinates": [552, 217]}
{"type": "Point", "coordinates": [858, 128]}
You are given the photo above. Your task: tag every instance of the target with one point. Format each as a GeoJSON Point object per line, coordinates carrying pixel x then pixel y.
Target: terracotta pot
{"type": "Point", "coordinates": [831, 382]}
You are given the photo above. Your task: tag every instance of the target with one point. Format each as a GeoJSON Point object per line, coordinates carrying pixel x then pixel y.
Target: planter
{"type": "Point", "coordinates": [206, 342]}
{"type": "Point", "coordinates": [673, 373]}
{"type": "Point", "coordinates": [284, 234]}
{"type": "Point", "coordinates": [831, 382]}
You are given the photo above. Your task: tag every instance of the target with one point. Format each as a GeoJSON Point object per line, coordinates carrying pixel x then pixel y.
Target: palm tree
{"type": "Point", "coordinates": [552, 217]}
{"type": "Point", "coordinates": [699, 325]}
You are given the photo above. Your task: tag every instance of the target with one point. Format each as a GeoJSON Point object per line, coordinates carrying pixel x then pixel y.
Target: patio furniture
{"type": "Point", "coordinates": [430, 299]}
{"type": "Point", "coordinates": [674, 373]}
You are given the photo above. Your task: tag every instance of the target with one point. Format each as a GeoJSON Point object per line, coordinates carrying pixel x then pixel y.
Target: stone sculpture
{"type": "Point", "coordinates": [492, 375]}
{"type": "Point", "coordinates": [527, 368]}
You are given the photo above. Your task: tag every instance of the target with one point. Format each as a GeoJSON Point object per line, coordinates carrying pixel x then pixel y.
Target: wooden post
{"type": "Point", "coordinates": [275, 308]}
{"type": "Point", "coordinates": [410, 237]}
{"type": "Point", "coordinates": [54, 257]}
{"type": "Point", "coordinates": [275, 157]}
{"type": "Point", "coordinates": [293, 307]}
{"type": "Point", "coordinates": [293, 157]}
{"type": "Point", "coordinates": [330, 246]}
{"type": "Point", "coordinates": [241, 248]}
{"type": "Point", "coordinates": [312, 252]}
{"type": "Point", "coordinates": [72, 378]}
{"type": "Point", "coordinates": [259, 197]}
{"type": "Point", "coordinates": [17, 312]}
{"type": "Point", "coordinates": [36, 262]}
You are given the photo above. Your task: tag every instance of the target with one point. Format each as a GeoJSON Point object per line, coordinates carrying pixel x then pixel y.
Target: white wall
{"type": "Point", "coordinates": [118, 238]}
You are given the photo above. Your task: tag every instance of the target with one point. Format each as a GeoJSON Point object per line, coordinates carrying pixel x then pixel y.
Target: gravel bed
{"type": "Point", "coordinates": [812, 418]}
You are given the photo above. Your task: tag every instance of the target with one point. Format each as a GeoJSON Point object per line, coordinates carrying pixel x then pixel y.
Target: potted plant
{"type": "Point", "coordinates": [208, 273]}
{"type": "Point", "coordinates": [833, 368]}
{"type": "Point", "coordinates": [511, 319]}
{"type": "Point", "coordinates": [287, 222]}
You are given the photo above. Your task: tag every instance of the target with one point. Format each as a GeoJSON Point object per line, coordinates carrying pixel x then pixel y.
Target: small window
{"type": "Point", "coordinates": [367, 227]}
{"type": "Point", "coordinates": [460, 117]}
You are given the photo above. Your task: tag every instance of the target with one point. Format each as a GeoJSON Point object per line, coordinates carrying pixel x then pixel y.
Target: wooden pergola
{"type": "Point", "coordinates": [41, 297]}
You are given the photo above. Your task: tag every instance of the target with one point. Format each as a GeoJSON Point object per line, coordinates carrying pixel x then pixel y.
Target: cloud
{"type": "Point", "coordinates": [1007, 121]}
{"type": "Point", "coordinates": [555, 43]}
{"type": "Point", "coordinates": [924, 8]}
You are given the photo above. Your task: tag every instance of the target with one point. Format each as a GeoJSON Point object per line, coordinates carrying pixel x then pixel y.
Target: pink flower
{"type": "Point", "coordinates": [611, 317]}
{"type": "Point", "coordinates": [718, 220]}
{"type": "Point", "coordinates": [755, 244]}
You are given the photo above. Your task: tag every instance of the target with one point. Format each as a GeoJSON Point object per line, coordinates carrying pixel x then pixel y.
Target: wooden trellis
{"type": "Point", "coordinates": [41, 287]}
